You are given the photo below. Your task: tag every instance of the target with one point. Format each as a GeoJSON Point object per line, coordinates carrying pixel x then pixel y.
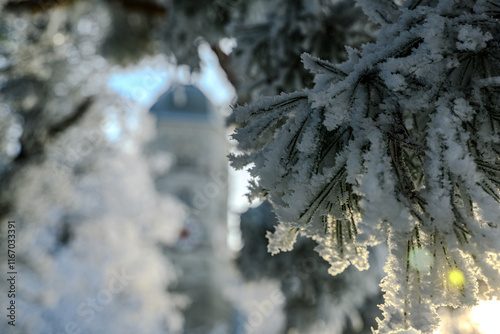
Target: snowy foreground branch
{"type": "Point", "coordinates": [400, 145]}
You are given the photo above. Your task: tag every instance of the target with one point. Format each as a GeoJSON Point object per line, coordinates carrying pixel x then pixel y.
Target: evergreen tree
{"type": "Point", "coordinates": [267, 54]}
{"type": "Point", "coordinates": [398, 145]}
{"type": "Point", "coordinates": [88, 248]}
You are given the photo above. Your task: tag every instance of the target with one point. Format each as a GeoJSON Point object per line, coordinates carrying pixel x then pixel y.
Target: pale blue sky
{"type": "Point", "coordinates": [144, 85]}
{"type": "Point", "coordinates": [130, 84]}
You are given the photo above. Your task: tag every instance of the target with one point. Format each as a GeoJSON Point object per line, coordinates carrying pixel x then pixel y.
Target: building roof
{"type": "Point", "coordinates": [183, 102]}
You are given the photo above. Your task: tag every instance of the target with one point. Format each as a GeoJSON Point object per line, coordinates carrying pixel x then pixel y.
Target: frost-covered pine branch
{"type": "Point", "coordinates": [315, 302]}
{"type": "Point", "coordinates": [397, 145]}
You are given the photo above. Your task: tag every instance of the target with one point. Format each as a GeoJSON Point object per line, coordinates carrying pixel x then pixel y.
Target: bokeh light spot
{"type": "Point", "coordinates": [456, 277]}
{"type": "Point", "coordinates": [58, 39]}
{"type": "Point", "coordinates": [421, 259]}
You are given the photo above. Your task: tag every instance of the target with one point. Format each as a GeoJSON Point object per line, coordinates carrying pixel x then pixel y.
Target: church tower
{"type": "Point", "coordinates": [189, 128]}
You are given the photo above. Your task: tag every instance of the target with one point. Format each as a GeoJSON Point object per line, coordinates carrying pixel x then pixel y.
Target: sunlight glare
{"type": "Point", "coordinates": [485, 314]}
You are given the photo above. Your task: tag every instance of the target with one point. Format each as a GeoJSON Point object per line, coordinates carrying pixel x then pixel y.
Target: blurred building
{"type": "Point", "coordinates": [190, 129]}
